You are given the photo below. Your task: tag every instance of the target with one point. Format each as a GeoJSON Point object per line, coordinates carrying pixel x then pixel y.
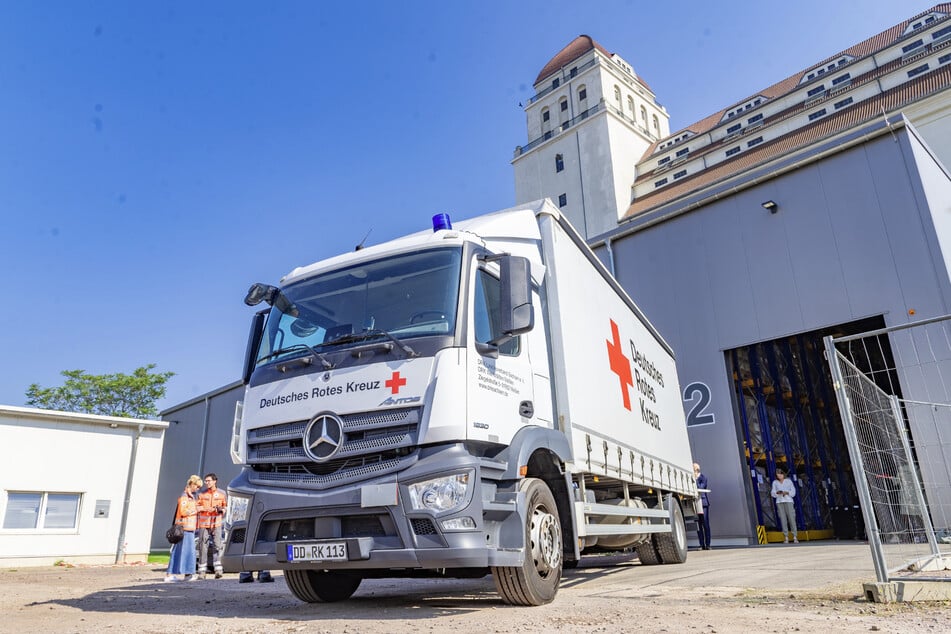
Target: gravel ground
{"type": "Point", "coordinates": [808, 590]}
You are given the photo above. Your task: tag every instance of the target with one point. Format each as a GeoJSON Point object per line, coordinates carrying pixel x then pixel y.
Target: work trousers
{"type": "Point", "coordinates": [209, 539]}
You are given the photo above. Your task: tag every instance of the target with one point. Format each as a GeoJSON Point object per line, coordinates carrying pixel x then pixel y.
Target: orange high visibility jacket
{"type": "Point", "coordinates": [187, 513]}
{"type": "Point", "coordinates": [211, 508]}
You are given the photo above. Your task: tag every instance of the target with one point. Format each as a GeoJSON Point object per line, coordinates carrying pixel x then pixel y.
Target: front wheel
{"type": "Point", "coordinates": [321, 586]}
{"type": "Point", "coordinates": [535, 582]}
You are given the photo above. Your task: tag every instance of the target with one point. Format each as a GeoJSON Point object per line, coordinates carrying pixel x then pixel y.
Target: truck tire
{"type": "Point", "coordinates": [646, 553]}
{"type": "Point", "coordinates": [535, 582]}
{"type": "Point", "coordinates": [672, 546]}
{"type": "Point", "coordinates": [321, 586]}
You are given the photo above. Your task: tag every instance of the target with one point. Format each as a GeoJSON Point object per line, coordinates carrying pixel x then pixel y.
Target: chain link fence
{"type": "Point", "coordinates": [893, 388]}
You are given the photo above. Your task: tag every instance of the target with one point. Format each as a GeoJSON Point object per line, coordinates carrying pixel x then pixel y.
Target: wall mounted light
{"type": "Point", "coordinates": [770, 206]}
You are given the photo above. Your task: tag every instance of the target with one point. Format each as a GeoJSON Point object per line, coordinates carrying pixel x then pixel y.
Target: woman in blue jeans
{"type": "Point", "coordinates": [181, 560]}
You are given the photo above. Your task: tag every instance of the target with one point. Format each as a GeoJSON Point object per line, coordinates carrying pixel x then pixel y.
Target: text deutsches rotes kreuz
{"type": "Point", "coordinates": [321, 392]}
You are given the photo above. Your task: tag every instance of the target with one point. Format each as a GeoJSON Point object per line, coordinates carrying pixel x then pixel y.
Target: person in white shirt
{"type": "Point", "coordinates": [783, 492]}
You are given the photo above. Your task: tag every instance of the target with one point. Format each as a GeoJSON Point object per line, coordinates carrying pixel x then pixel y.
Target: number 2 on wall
{"type": "Point", "coordinates": [699, 394]}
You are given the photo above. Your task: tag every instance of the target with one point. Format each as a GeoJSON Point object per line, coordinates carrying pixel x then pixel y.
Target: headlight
{"type": "Point", "coordinates": [238, 507]}
{"type": "Point", "coordinates": [439, 494]}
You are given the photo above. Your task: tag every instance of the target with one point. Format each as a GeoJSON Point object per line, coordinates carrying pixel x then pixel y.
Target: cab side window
{"type": "Point", "coordinates": [486, 309]}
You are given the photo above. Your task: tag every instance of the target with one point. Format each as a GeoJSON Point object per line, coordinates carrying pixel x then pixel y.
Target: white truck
{"type": "Point", "coordinates": [476, 399]}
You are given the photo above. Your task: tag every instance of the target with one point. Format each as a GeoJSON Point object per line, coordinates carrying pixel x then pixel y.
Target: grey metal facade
{"type": "Point", "coordinates": [197, 441]}
{"type": "Point", "coordinates": [854, 236]}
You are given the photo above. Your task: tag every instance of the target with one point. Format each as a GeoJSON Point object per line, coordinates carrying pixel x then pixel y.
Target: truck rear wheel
{"type": "Point", "coordinates": [535, 582]}
{"type": "Point", "coordinates": [321, 586]}
{"type": "Point", "coordinates": [646, 552]}
{"type": "Point", "coordinates": [672, 546]}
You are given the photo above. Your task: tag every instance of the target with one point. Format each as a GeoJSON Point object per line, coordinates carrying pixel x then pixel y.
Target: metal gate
{"type": "Point", "coordinates": [893, 388]}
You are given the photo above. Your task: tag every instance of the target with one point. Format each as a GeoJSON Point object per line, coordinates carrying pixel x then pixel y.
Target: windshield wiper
{"type": "Point", "coordinates": [369, 333]}
{"type": "Point", "coordinates": [299, 346]}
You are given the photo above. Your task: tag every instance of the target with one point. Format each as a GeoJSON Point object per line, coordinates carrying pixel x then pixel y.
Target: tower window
{"type": "Point", "coordinates": [556, 82]}
{"type": "Point", "coordinates": [656, 125]}
{"type": "Point", "coordinates": [582, 94]}
{"type": "Point", "coordinates": [563, 104]}
{"type": "Point", "coordinates": [546, 115]}
{"type": "Point", "coordinates": [559, 162]}
{"type": "Point", "coordinates": [562, 200]}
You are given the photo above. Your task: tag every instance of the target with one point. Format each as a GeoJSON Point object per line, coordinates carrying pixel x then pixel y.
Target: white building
{"type": "Point", "coordinates": [77, 488]}
{"type": "Point", "coordinates": [590, 121]}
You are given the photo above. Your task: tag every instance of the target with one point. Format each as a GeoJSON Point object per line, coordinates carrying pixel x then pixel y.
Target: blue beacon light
{"type": "Point", "coordinates": [441, 221]}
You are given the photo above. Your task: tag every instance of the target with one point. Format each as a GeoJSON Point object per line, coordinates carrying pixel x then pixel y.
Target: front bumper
{"type": "Point", "coordinates": [376, 521]}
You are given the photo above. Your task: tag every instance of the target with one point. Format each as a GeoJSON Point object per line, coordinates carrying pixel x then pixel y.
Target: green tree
{"type": "Point", "coordinates": [128, 395]}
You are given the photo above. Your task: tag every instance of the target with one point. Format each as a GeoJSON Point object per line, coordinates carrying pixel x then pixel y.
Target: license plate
{"type": "Point", "coordinates": [327, 551]}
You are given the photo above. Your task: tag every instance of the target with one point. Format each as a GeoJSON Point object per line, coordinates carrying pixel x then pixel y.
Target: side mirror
{"type": "Point", "coordinates": [254, 342]}
{"type": "Point", "coordinates": [273, 296]}
{"type": "Point", "coordinates": [516, 313]}
{"type": "Point", "coordinates": [259, 293]}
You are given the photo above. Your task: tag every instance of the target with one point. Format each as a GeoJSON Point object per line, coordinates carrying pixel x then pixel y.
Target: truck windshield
{"type": "Point", "coordinates": [410, 295]}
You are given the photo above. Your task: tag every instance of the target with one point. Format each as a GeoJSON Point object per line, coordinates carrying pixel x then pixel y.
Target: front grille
{"type": "Point", "coordinates": [373, 443]}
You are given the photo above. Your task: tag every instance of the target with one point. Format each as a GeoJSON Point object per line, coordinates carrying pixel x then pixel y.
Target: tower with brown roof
{"type": "Point", "coordinates": [591, 118]}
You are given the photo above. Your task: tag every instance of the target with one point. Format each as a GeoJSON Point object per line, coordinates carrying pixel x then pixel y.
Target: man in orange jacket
{"type": "Point", "coordinates": [212, 503]}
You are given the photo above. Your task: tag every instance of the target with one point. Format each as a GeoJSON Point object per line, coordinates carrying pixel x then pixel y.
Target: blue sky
{"type": "Point", "coordinates": [158, 157]}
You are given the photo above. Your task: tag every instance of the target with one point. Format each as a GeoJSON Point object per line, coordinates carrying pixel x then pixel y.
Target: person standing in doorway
{"type": "Point", "coordinates": [703, 516]}
{"type": "Point", "coordinates": [784, 491]}
{"type": "Point", "coordinates": [212, 503]}
{"type": "Point", "coordinates": [181, 560]}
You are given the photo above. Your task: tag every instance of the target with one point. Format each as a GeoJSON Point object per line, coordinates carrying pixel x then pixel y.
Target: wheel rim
{"type": "Point", "coordinates": [546, 541]}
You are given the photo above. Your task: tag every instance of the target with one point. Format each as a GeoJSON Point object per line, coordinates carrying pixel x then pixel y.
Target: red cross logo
{"type": "Point", "coordinates": [620, 365]}
{"type": "Point", "coordinates": [396, 382]}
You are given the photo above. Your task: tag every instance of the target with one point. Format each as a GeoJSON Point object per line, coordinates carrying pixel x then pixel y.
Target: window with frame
{"type": "Point", "coordinates": [734, 128]}
{"type": "Point", "coordinates": [546, 115]}
{"type": "Point", "coordinates": [656, 125]}
{"type": "Point", "coordinates": [680, 174]}
{"type": "Point", "coordinates": [660, 183]}
{"type": "Point", "coordinates": [617, 96]}
{"type": "Point", "coordinates": [733, 150]}
{"type": "Point", "coordinates": [644, 115]}
{"type": "Point", "coordinates": [917, 71]}
{"type": "Point", "coordinates": [912, 46]}
{"type": "Point", "coordinates": [755, 118]}
{"type": "Point", "coordinates": [582, 93]}
{"type": "Point", "coordinates": [941, 32]}
{"type": "Point", "coordinates": [563, 104]}
{"type": "Point", "coordinates": [559, 162]}
{"type": "Point", "coordinates": [40, 510]}
{"type": "Point", "coordinates": [841, 78]}
{"type": "Point", "coordinates": [630, 108]}
{"type": "Point", "coordinates": [683, 152]}
{"type": "Point", "coordinates": [562, 200]}
{"type": "Point", "coordinates": [816, 90]}
{"type": "Point", "coordinates": [843, 103]}
{"type": "Point", "coordinates": [818, 113]}
{"type": "Point", "coordinates": [487, 313]}
{"type": "Point", "coordinates": [944, 59]}
{"type": "Point", "coordinates": [755, 141]}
